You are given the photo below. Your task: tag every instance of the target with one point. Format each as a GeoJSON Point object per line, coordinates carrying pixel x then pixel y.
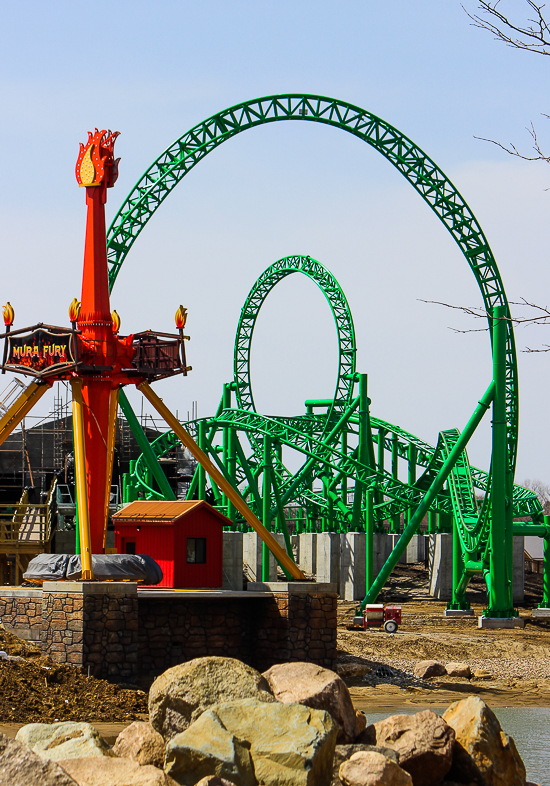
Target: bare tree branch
{"type": "Point", "coordinates": [479, 312]}
{"type": "Point", "coordinates": [533, 35]}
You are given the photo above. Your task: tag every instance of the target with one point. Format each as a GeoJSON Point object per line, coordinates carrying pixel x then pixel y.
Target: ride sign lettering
{"type": "Point", "coordinates": [39, 350]}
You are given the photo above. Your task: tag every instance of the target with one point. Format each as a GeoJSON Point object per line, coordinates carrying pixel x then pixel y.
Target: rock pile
{"type": "Point", "coordinates": [217, 722]}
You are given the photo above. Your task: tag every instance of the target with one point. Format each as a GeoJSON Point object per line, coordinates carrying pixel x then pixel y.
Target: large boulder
{"type": "Point", "coordinates": [20, 766]}
{"type": "Point", "coordinates": [424, 742]}
{"type": "Point", "coordinates": [458, 670]}
{"type": "Point", "coordinates": [425, 669]}
{"type": "Point", "coordinates": [250, 742]}
{"type": "Point", "coordinates": [115, 772]}
{"type": "Point", "coordinates": [368, 768]}
{"type": "Point", "coordinates": [140, 742]}
{"type": "Point", "coordinates": [181, 694]}
{"type": "Point", "coordinates": [214, 780]}
{"type": "Point", "coordinates": [65, 740]}
{"type": "Point", "coordinates": [483, 752]}
{"type": "Point", "coordinates": [344, 752]}
{"type": "Point", "coordinates": [319, 688]}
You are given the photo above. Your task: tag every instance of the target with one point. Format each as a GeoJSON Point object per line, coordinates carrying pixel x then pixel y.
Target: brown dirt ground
{"type": "Point", "coordinates": [38, 690]}
{"type": "Point", "coordinates": [517, 661]}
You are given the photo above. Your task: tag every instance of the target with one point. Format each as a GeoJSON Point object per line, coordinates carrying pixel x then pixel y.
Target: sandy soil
{"type": "Point", "coordinates": [516, 662]}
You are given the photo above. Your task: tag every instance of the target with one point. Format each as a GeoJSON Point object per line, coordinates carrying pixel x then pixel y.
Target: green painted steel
{"type": "Point", "coordinates": [343, 482]}
{"type": "Point", "coordinates": [415, 165]}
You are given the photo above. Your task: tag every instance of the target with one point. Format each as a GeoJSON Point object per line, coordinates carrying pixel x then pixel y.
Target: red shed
{"type": "Point", "coordinates": [185, 538]}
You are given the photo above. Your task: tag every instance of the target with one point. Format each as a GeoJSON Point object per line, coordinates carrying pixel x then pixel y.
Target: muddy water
{"type": "Point", "coordinates": [529, 726]}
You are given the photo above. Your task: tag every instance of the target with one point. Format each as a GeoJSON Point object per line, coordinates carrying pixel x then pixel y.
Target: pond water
{"type": "Point", "coordinates": [529, 726]}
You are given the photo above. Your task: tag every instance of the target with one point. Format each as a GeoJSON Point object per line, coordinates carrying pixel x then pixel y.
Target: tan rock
{"type": "Point", "coordinates": [316, 687]}
{"type": "Point", "coordinates": [458, 670]}
{"type": "Point", "coordinates": [353, 671]}
{"type": "Point", "coordinates": [482, 674]}
{"type": "Point", "coordinates": [483, 752]}
{"type": "Point", "coordinates": [344, 752]}
{"type": "Point", "coordinates": [180, 695]}
{"type": "Point", "coordinates": [360, 722]}
{"type": "Point", "coordinates": [251, 742]}
{"type": "Point", "coordinates": [424, 743]}
{"type": "Point", "coordinates": [115, 772]}
{"type": "Point", "coordinates": [65, 740]}
{"type": "Point", "coordinates": [21, 766]}
{"type": "Point", "coordinates": [214, 780]}
{"type": "Point", "coordinates": [425, 669]}
{"type": "Point", "coordinates": [140, 742]}
{"type": "Point", "coordinates": [372, 769]}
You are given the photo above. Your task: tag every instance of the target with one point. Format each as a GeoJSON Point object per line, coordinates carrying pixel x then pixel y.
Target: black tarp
{"type": "Point", "coordinates": [106, 567]}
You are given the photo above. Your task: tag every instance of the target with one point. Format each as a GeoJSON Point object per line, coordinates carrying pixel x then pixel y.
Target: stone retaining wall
{"type": "Point", "coordinates": [95, 630]}
{"type": "Point", "coordinates": [119, 633]}
{"type": "Point", "coordinates": [21, 612]}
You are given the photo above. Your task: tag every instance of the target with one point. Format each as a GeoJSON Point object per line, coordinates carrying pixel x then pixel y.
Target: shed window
{"type": "Point", "coordinates": [196, 550]}
{"type": "Point", "coordinates": [130, 547]}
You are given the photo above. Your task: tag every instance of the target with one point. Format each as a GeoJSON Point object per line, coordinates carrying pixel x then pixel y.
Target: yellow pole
{"type": "Point", "coordinates": [81, 486]}
{"type": "Point", "coordinates": [20, 407]}
{"type": "Point", "coordinates": [231, 493]}
{"type": "Point", "coordinates": [113, 411]}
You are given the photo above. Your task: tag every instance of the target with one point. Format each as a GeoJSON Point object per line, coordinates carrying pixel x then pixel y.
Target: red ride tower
{"type": "Point", "coordinates": [97, 170]}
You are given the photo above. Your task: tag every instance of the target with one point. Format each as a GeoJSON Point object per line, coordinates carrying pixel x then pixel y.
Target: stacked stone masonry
{"type": "Point", "coordinates": [119, 633]}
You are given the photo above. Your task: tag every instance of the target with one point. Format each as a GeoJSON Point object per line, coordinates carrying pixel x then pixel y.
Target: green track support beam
{"type": "Point", "coordinates": [500, 537]}
{"type": "Point", "coordinates": [429, 497]}
{"type": "Point", "coordinates": [145, 447]}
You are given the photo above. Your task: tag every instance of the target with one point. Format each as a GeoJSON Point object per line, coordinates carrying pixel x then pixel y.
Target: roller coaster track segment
{"type": "Point", "coordinates": [341, 313]}
{"type": "Point", "coordinates": [423, 174]}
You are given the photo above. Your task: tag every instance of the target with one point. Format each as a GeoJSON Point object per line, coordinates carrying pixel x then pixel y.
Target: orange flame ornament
{"type": "Point", "coordinates": [74, 310]}
{"type": "Point", "coordinates": [96, 163]}
{"type": "Point", "coordinates": [8, 314]}
{"type": "Point", "coordinates": [116, 321]}
{"type": "Point", "coordinates": [181, 317]}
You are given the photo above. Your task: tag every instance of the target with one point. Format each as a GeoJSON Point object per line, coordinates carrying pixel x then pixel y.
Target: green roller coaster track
{"type": "Point", "coordinates": [342, 483]}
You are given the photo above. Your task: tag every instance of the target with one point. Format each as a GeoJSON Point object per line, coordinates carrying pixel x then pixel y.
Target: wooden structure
{"type": "Point", "coordinates": [185, 538]}
{"type": "Point", "coordinates": [26, 529]}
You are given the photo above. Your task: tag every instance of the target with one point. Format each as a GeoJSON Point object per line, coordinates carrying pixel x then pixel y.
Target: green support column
{"type": "Point", "coordinates": [344, 486]}
{"type": "Point", "coordinates": [369, 541]}
{"type": "Point", "coordinates": [201, 492]}
{"type": "Point", "coordinates": [266, 505]}
{"type": "Point", "coordinates": [458, 600]}
{"type": "Point", "coordinates": [545, 604]}
{"type": "Point", "coordinates": [500, 572]}
{"type": "Point", "coordinates": [148, 453]}
{"type": "Point", "coordinates": [363, 453]}
{"type": "Point", "coordinates": [411, 472]}
{"type": "Point", "coordinates": [430, 496]}
{"type": "Point", "coordinates": [395, 524]}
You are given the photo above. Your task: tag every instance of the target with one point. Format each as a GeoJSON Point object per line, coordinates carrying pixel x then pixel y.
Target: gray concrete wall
{"type": "Point", "coordinates": [382, 545]}
{"type": "Point", "coordinates": [253, 555]}
{"type": "Point", "coordinates": [308, 552]}
{"type": "Point", "coordinates": [353, 568]}
{"type": "Point", "coordinates": [440, 563]}
{"type": "Point", "coordinates": [328, 558]}
{"type": "Point", "coordinates": [232, 561]}
{"type": "Point", "coordinates": [519, 570]}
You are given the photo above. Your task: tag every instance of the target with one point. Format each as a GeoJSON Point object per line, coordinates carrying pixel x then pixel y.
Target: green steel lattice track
{"type": "Point", "coordinates": [323, 439]}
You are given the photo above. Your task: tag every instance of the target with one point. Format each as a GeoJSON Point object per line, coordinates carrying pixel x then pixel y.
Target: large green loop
{"type": "Point", "coordinates": [423, 174]}
{"type": "Point", "coordinates": [343, 319]}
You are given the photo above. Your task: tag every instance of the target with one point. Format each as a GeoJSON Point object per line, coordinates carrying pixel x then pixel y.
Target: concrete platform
{"type": "Point", "coordinates": [541, 613]}
{"type": "Point", "coordinates": [501, 622]}
{"type": "Point", "coordinates": [458, 613]}
{"type": "Point", "coordinates": [294, 587]}
{"type": "Point", "coordinates": [168, 593]}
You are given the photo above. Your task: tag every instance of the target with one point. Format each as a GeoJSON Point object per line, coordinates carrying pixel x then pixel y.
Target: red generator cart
{"type": "Point", "coordinates": [376, 615]}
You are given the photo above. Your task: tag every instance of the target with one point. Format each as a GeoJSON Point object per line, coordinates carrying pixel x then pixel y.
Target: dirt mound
{"type": "Point", "coordinates": [35, 689]}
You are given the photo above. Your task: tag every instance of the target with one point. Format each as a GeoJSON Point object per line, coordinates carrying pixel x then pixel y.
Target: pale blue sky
{"type": "Point", "coordinates": [153, 70]}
